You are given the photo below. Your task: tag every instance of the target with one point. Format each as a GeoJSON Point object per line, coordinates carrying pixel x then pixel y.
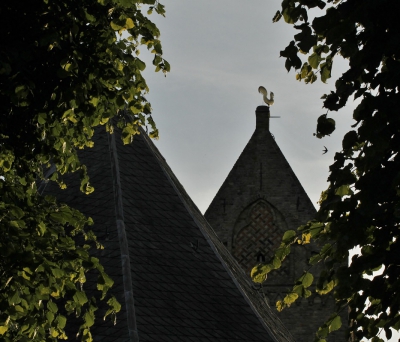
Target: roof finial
{"type": "Point", "coordinates": [269, 101]}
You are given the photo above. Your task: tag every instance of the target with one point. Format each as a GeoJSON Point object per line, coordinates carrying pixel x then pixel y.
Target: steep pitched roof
{"type": "Point", "coordinates": [177, 282]}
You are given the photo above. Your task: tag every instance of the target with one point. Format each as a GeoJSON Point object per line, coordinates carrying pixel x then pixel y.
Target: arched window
{"type": "Point", "coordinates": [257, 236]}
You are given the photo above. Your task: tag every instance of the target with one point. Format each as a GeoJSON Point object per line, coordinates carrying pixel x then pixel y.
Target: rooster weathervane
{"type": "Point", "coordinates": [269, 101]}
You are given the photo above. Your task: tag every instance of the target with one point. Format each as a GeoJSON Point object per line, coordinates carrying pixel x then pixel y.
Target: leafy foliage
{"type": "Point", "coordinates": [65, 67]}
{"type": "Point", "coordinates": [361, 207]}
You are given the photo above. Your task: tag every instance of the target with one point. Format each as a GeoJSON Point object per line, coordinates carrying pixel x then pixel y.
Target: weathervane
{"type": "Point", "coordinates": [269, 101]}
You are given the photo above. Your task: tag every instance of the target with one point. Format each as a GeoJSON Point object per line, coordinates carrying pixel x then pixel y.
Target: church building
{"type": "Point", "coordinates": [175, 278]}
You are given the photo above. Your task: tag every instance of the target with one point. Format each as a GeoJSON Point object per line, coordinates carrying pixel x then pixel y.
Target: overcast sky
{"type": "Point", "coordinates": [220, 53]}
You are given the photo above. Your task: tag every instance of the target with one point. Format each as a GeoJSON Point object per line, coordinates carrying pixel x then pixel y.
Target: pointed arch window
{"type": "Point", "coordinates": [257, 235]}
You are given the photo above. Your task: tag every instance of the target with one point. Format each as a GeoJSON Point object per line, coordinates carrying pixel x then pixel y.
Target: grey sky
{"type": "Point", "coordinates": [220, 53]}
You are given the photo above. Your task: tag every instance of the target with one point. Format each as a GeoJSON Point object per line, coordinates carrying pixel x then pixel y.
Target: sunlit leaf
{"type": "Point", "coordinates": [335, 324]}
{"type": "Point", "coordinates": [290, 298]}
{"type": "Point", "coordinates": [307, 279]}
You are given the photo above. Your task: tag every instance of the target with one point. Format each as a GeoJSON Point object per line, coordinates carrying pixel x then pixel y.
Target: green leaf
{"type": "Point", "coordinates": [307, 279]}
{"type": "Point", "coordinates": [140, 64]}
{"type": "Point", "coordinates": [42, 228]}
{"type": "Point", "coordinates": [14, 298]}
{"type": "Point", "coordinates": [94, 101]}
{"type": "Point", "coordinates": [282, 252]}
{"type": "Point", "coordinates": [323, 331]}
{"type": "Point", "coordinates": [50, 316]}
{"type": "Point", "coordinates": [59, 217]}
{"type": "Point", "coordinates": [107, 280]}
{"type": "Point", "coordinates": [276, 262]}
{"type": "Point", "coordinates": [129, 23]}
{"type": "Point", "coordinates": [326, 69]}
{"type": "Point", "coordinates": [80, 297]}
{"type": "Point", "coordinates": [115, 26]}
{"type": "Point", "coordinates": [328, 287]}
{"type": "Point", "coordinates": [314, 60]}
{"type": "Point", "coordinates": [88, 318]}
{"type": "Point", "coordinates": [58, 272]}
{"type": "Point", "coordinates": [316, 228]}
{"type": "Point", "coordinates": [114, 304]}
{"type": "Point", "coordinates": [291, 14]}
{"type": "Point", "coordinates": [280, 305]}
{"type": "Point", "coordinates": [42, 118]}
{"type": "Point", "coordinates": [51, 306]}
{"type": "Point", "coordinates": [3, 329]}
{"type": "Point", "coordinates": [16, 212]}
{"type": "Point", "coordinates": [259, 273]}
{"type": "Point", "coordinates": [61, 321]}
{"type": "Point", "coordinates": [335, 324]}
{"type": "Point", "coordinates": [343, 190]}
{"type": "Point", "coordinates": [299, 289]}
{"type": "Point", "coordinates": [290, 298]}
{"type": "Point", "coordinates": [288, 236]}
{"type": "Point", "coordinates": [90, 17]}
{"type": "Point", "coordinates": [305, 239]}
{"type": "Point", "coordinates": [20, 89]}
{"type": "Point", "coordinates": [114, 307]}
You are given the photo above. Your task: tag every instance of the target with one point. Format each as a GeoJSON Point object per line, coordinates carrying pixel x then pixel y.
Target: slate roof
{"type": "Point", "coordinates": [176, 282]}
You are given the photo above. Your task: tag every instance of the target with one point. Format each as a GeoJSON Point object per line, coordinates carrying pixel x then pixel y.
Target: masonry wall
{"type": "Point", "coordinates": [260, 199]}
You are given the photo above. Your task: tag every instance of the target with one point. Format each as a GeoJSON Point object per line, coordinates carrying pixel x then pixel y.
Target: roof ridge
{"type": "Point", "coordinates": [123, 241]}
